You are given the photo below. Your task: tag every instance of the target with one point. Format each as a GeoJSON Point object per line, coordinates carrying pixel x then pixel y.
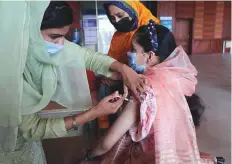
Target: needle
{"type": "Point", "coordinates": [128, 100]}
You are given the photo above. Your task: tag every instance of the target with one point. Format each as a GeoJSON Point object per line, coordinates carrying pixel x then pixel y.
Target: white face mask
{"type": "Point", "coordinates": [53, 48]}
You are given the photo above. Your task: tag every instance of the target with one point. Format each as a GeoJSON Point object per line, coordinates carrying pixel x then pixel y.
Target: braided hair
{"type": "Point", "coordinates": [156, 38]}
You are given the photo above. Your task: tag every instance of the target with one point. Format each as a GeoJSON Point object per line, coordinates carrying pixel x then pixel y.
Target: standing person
{"type": "Point", "coordinates": [48, 69]}
{"type": "Point", "coordinates": [126, 17]}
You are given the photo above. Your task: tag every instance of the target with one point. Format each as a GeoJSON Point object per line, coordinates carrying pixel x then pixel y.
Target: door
{"type": "Point", "coordinates": [183, 34]}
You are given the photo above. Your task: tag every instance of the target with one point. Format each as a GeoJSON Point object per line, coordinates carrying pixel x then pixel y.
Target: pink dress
{"type": "Point", "coordinates": [165, 133]}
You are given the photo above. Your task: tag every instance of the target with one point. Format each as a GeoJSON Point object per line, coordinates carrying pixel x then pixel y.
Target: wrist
{"type": "Point", "coordinates": [122, 69]}
{"type": "Point", "coordinates": [94, 112]}
{"type": "Point", "coordinates": [68, 122]}
{"type": "Point", "coordinates": [87, 116]}
{"type": "Point", "coordinates": [116, 76]}
{"type": "Point", "coordinates": [117, 67]}
{"type": "Point", "coordinates": [125, 71]}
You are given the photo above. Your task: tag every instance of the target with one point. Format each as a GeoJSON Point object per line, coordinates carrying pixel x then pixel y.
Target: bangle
{"type": "Point", "coordinates": [74, 124]}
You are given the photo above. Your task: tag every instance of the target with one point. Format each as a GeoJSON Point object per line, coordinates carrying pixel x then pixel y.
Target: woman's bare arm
{"type": "Point", "coordinates": [127, 118]}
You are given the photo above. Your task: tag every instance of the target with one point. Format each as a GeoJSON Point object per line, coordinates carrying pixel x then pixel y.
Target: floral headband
{"type": "Point", "coordinates": [153, 35]}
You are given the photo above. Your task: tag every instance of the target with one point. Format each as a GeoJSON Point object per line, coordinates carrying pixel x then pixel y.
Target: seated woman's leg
{"type": "Point", "coordinates": [127, 118]}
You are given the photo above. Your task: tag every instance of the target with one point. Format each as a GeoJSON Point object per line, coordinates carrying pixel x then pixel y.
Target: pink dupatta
{"type": "Point", "coordinates": [165, 132]}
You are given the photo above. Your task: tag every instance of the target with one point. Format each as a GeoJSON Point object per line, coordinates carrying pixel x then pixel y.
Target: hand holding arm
{"type": "Point", "coordinates": [108, 105]}
{"type": "Point", "coordinates": [135, 82]}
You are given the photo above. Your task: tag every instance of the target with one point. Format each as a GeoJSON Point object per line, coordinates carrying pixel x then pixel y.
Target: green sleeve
{"type": "Point", "coordinates": [36, 128]}
{"type": "Point", "coordinates": [97, 62]}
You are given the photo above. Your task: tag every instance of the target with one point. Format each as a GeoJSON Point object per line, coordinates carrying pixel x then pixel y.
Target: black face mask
{"type": "Point", "coordinates": [124, 25]}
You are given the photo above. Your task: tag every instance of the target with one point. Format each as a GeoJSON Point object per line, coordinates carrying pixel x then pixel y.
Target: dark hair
{"type": "Point", "coordinates": [166, 40]}
{"type": "Point", "coordinates": [197, 108]}
{"type": "Point", "coordinates": [166, 45]}
{"type": "Point", "coordinates": [57, 15]}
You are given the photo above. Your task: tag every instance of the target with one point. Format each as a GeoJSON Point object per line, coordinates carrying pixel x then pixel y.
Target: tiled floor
{"type": "Point", "coordinates": [214, 133]}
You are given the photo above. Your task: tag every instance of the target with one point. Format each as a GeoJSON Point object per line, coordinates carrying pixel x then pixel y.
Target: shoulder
{"type": "Point", "coordinates": [71, 52]}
